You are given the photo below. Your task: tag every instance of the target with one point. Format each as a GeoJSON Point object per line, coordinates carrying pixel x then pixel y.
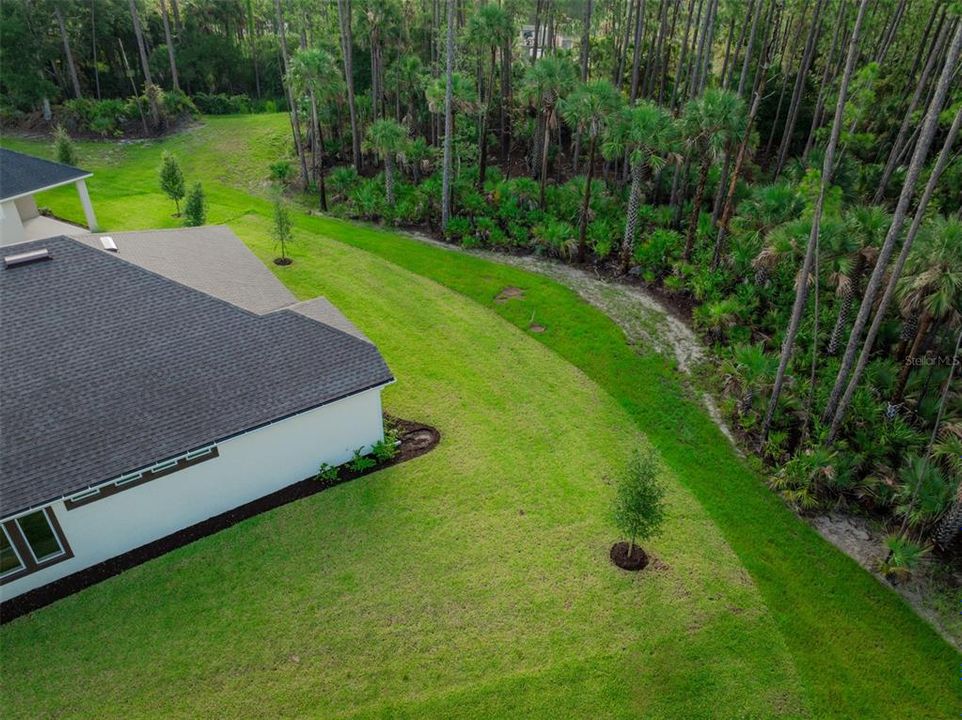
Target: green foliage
{"type": "Point", "coordinates": [222, 103]}
{"type": "Point", "coordinates": [904, 557]}
{"type": "Point", "coordinates": [639, 509]}
{"type": "Point", "coordinates": [360, 462]}
{"type": "Point", "coordinates": [282, 227]}
{"type": "Point", "coordinates": [328, 473]}
{"type": "Point", "coordinates": [172, 180]}
{"type": "Point", "coordinates": [64, 149]}
{"type": "Point", "coordinates": [281, 172]}
{"type": "Point", "coordinates": [384, 450]}
{"type": "Point", "coordinates": [195, 208]}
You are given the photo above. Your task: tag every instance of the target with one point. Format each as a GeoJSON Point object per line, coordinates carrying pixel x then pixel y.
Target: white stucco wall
{"type": "Point", "coordinates": [27, 207]}
{"type": "Point", "coordinates": [11, 227]}
{"type": "Point", "coordinates": [250, 466]}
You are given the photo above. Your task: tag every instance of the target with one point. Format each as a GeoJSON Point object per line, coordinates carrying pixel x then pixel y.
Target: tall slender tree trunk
{"type": "Point", "coordinates": [318, 154]}
{"type": "Point", "coordinates": [448, 121]}
{"type": "Point", "coordinates": [295, 120]}
{"type": "Point", "coordinates": [253, 43]}
{"type": "Point", "coordinates": [483, 145]}
{"type": "Point", "coordinates": [826, 81]}
{"type": "Point", "coordinates": [175, 82]}
{"type": "Point", "coordinates": [93, 46]}
{"type": "Point", "coordinates": [681, 56]}
{"type": "Point", "coordinates": [546, 123]}
{"type": "Point", "coordinates": [347, 52]}
{"type": "Point", "coordinates": [951, 524]}
{"type": "Point", "coordinates": [828, 166]}
{"type": "Point", "coordinates": [899, 142]}
{"type": "Point", "coordinates": [903, 377]}
{"type": "Point", "coordinates": [586, 203]}
{"type": "Point", "coordinates": [585, 57]}
{"type": "Point", "coordinates": [507, 101]}
{"type": "Point", "coordinates": [747, 62]}
{"type": "Point", "coordinates": [795, 104]}
{"type": "Point", "coordinates": [696, 204]}
{"type": "Point", "coordinates": [138, 33]}
{"type": "Point", "coordinates": [636, 55]}
{"type": "Point", "coordinates": [71, 67]}
{"type": "Point", "coordinates": [837, 414]}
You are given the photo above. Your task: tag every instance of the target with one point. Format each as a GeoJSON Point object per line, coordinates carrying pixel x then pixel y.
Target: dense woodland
{"type": "Point", "coordinates": [787, 169]}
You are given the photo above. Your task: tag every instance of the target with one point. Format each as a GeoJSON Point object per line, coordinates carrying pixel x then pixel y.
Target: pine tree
{"type": "Point", "coordinates": [195, 208]}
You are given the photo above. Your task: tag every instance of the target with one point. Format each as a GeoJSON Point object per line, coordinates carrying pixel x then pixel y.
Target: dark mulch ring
{"type": "Point", "coordinates": [636, 560]}
{"type": "Point", "coordinates": [282, 261]}
{"type": "Point", "coordinates": [416, 439]}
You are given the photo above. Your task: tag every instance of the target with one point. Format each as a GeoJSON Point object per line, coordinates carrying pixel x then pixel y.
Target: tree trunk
{"type": "Point", "coordinates": [71, 67]}
{"type": "Point", "coordinates": [838, 404]}
{"type": "Point", "coordinates": [681, 55]}
{"type": "Point", "coordinates": [253, 43]}
{"type": "Point", "coordinates": [826, 81]}
{"type": "Point", "coordinates": [696, 204]}
{"type": "Point", "coordinates": [483, 145]}
{"type": "Point", "coordinates": [347, 51]}
{"type": "Point", "coordinates": [746, 63]}
{"type": "Point", "coordinates": [389, 178]}
{"type": "Point", "coordinates": [898, 143]}
{"type": "Point", "coordinates": [586, 203]}
{"type": "Point", "coordinates": [93, 46]}
{"type": "Point", "coordinates": [631, 220]}
{"type": "Point", "coordinates": [544, 156]}
{"type": "Point", "coordinates": [796, 101]}
{"type": "Point", "coordinates": [295, 120]}
{"type": "Point", "coordinates": [899, 391]}
{"type": "Point", "coordinates": [170, 46]}
{"type": "Point", "coordinates": [636, 57]}
{"type": "Point", "coordinates": [138, 33]}
{"type": "Point", "coordinates": [828, 166]}
{"type": "Point", "coordinates": [448, 122]}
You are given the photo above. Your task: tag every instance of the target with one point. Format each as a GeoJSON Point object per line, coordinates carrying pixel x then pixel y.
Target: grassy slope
{"type": "Point", "coordinates": [859, 650]}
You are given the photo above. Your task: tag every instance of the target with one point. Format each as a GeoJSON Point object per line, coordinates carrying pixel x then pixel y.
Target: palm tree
{"type": "Point", "coordinates": [710, 124]}
{"type": "Point", "coordinates": [850, 255]}
{"type": "Point", "coordinates": [314, 72]}
{"type": "Point", "coordinates": [547, 82]}
{"type": "Point", "coordinates": [464, 100]}
{"type": "Point", "coordinates": [645, 133]}
{"type": "Point", "coordinates": [387, 138]}
{"type": "Point", "coordinates": [589, 109]}
{"type": "Point", "coordinates": [751, 370]}
{"type": "Point", "coordinates": [931, 287]}
{"type": "Point", "coordinates": [448, 120]}
{"type": "Point", "coordinates": [488, 28]}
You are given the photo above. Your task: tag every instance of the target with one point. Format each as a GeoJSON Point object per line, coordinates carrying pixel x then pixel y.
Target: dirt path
{"type": "Point", "coordinates": [649, 324]}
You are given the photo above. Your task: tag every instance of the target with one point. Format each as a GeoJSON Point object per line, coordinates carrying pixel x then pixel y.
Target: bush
{"type": "Point", "coordinates": [341, 181]}
{"type": "Point", "coordinates": [104, 117]}
{"type": "Point", "coordinates": [64, 149]}
{"type": "Point", "coordinates": [657, 253]}
{"type": "Point", "coordinates": [360, 462]}
{"type": "Point", "coordinates": [639, 510]}
{"type": "Point", "coordinates": [327, 473]}
{"type": "Point", "coordinates": [458, 228]}
{"type": "Point", "coordinates": [222, 104]}
{"type": "Point", "coordinates": [195, 209]}
{"type": "Point", "coordinates": [281, 171]}
{"type": "Point", "coordinates": [384, 450]}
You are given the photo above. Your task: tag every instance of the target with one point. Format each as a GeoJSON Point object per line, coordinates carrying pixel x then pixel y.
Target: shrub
{"type": "Point", "coordinates": [904, 556]}
{"type": "Point", "coordinates": [341, 181]}
{"type": "Point", "coordinates": [195, 209]}
{"type": "Point", "coordinates": [222, 104]}
{"type": "Point", "coordinates": [458, 228]}
{"type": "Point", "coordinates": [384, 450]}
{"type": "Point", "coordinates": [657, 253]}
{"type": "Point", "coordinates": [360, 462]}
{"type": "Point", "coordinates": [104, 117]}
{"type": "Point", "coordinates": [172, 179]}
{"type": "Point", "coordinates": [64, 149]}
{"type": "Point", "coordinates": [281, 171]}
{"type": "Point", "coordinates": [327, 473]}
{"type": "Point", "coordinates": [639, 510]}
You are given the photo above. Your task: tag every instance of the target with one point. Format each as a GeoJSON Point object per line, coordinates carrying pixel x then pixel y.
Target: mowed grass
{"type": "Point", "coordinates": [472, 582]}
{"type": "Point", "coordinates": [858, 650]}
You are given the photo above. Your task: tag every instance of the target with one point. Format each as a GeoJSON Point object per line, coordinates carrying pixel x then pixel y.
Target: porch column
{"type": "Point", "coordinates": [87, 205]}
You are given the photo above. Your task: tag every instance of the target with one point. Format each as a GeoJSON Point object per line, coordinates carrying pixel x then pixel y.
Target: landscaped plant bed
{"type": "Point", "coordinates": [634, 559]}
{"type": "Point", "coordinates": [415, 439]}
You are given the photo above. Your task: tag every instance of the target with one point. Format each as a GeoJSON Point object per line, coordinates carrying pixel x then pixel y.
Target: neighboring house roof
{"type": "Point", "coordinates": [214, 260]}
{"type": "Point", "coordinates": [106, 367]}
{"type": "Point", "coordinates": [24, 174]}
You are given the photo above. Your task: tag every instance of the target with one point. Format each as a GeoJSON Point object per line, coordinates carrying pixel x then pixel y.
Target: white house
{"type": "Point", "coordinates": [21, 178]}
{"type": "Point", "coordinates": [134, 404]}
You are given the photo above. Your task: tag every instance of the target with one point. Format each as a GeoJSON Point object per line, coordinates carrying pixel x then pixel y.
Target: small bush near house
{"type": "Point", "coordinates": [195, 209]}
{"type": "Point", "coordinates": [360, 462]}
{"type": "Point", "coordinates": [327, 473]}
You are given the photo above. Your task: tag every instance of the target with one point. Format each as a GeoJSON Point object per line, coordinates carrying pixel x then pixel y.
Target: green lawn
{"type": "Point", "coordinates": [424, 589]}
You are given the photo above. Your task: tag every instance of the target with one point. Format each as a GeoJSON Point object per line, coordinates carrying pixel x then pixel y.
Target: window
{"type": "Point", "coordinates": [9, 559]}
{"type": "Point", "coordinates": [40, 537]}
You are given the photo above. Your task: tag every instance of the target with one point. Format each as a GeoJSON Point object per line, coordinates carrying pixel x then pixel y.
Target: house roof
{"type": "Point", "coordinates": [214, 260]}
{"type": "Point", "coordinates": [107, 367]}
{"type": "Point", "coordinates": [24, 174]}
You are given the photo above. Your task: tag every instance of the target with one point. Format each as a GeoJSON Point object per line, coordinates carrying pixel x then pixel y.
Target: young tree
{"type": "Point", "coordinates": [195, 208]}
{"type": "Point", "coordinates": [387, 138]}
{"type": "Point", "coordinates": [281, 229]}
{"type": "Point", "coordinates": [645, 133]}
{"type": "Point", "coordinates": [172, 180]}
{"type": "Point", "coordinates": [590, 109]}
{"type": "Point", "coordinates": [639, 510]}
{"type": "Point", "coordinates": [63, 148]}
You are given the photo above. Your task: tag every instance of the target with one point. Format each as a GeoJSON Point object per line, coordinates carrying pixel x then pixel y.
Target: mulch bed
{"type": "Point", "coordinates": [636, 560]}
{"type": "Point", "coordinates": [416, 439]}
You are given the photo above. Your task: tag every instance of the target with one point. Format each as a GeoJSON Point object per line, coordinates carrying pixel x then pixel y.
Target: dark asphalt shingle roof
{"type": "Point", "coordinates": [21, 174]}
{"type": "Point", "coordinates": [106, 367]}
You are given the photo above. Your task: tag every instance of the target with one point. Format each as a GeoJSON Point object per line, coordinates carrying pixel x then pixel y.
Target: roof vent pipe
{"type": "Point", "coordinates": [26, 258]}
{"type": "Point", "coordinates": [108, 243]}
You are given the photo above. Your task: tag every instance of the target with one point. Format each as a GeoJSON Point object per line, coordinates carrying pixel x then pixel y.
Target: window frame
{"type": "Point", "coordinates": [33, 553]}
{"type": "Point", "coordinates": [28, 562]}
{"type": "Point", "coordinates": [16, 553]}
